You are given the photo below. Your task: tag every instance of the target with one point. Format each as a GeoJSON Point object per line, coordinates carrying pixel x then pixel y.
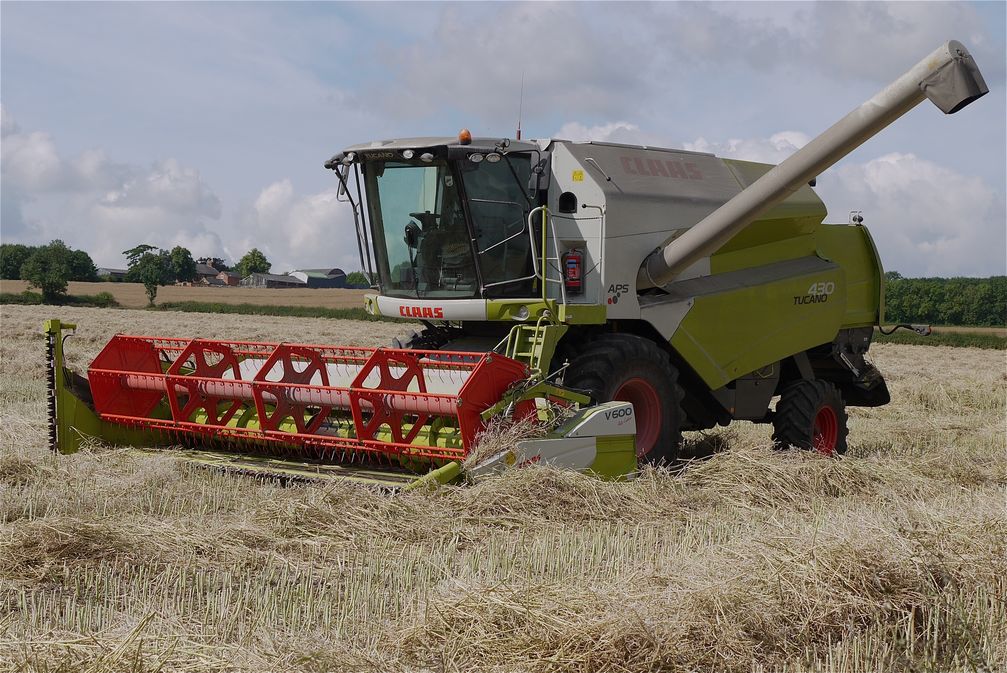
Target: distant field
{"type": "Point", "coordinates": [996, 331]}
{"type": "Point", "coordinates": [131, 295]}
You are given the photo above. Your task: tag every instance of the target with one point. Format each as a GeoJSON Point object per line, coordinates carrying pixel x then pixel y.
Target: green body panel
{"type": "Point", "coordinates": [799, 214]}
{"type": "Point", "coordinates": [853, 249]}
{"type": "Point", "coordinates": [881, 275]}
{"type": "Point", "coordinates": [762, 252]}
{"type": "Point", "coordinates": [575, 314]}
{"type": "Point", "coordinates": [445, 474]}
{"type": "Point", "coordinates": [729, 334]}
{"type": "Point", "coordinates": [615, 457]}
{"type": "Point", "coordinates": [582, 314]}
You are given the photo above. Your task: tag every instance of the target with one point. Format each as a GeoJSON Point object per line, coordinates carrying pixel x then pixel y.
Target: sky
{"type": "Point", "coordinates": [206, 124]}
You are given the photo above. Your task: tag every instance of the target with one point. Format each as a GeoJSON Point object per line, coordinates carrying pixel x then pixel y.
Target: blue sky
{"type": "Point", "coordinates": [206, 124]}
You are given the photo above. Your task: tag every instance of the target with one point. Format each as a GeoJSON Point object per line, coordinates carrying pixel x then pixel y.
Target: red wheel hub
{"type": "Point", "coordinates": [825, 434]}
{"type": "Point", "coordinates": [647, 409]}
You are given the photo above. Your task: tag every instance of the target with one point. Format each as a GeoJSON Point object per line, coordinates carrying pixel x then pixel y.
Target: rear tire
{"type": "Point", "coordinates": [811, 415]}
{"type": "Point", "coordinates": [629, 368]}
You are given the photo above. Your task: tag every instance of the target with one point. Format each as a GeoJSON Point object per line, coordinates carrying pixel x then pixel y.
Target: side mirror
{"type": "Point", "coordinates": [344, 174]}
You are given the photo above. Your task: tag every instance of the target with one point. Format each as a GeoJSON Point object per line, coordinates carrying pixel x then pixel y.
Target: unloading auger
{"type": "Point", "coordinates": [617, 294]}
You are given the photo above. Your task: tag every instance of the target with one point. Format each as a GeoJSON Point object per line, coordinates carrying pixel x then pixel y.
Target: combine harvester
{"type": "Point", "coordinates": [622, 293]}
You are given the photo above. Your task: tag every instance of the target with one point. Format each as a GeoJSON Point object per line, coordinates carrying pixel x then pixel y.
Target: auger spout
{"type": "Point", "coordinates": [948, 76]}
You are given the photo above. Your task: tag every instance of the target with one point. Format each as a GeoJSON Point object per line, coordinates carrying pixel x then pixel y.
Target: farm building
{"type": "Point", "coordinates": [111, 274]}
{"type": "Point", "coordinates": [229, 278]}
{"type": "Point", "coordinates": [321, 277]}
{"type": "Point", "coordinates": [205, 272]}
{"type": "Point", "coordinates": [271, 280]}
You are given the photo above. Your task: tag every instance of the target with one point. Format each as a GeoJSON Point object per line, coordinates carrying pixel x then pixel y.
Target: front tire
{"type": "Point", "coordinates": [811, 415]}
{"type": "Point", "coordinates": [632, 369]}
{"type": "Point", "coordinates": [430, 338]}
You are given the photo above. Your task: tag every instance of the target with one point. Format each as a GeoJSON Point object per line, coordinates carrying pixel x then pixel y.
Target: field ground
{"type": "Point", "coordinates": [996, 331]}
{"type": "Point", "coordinates": [892, 558]}
{"type": "Point", "coordinates": [131, 295]}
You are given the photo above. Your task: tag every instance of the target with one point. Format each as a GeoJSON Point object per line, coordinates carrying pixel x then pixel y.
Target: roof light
{"type": "Point", "coordinates": [493, 158]}
{"type": "Point", "coordinates": [465, 137]}
{"type": "Point", "coordinates": [426, 157]}
{"type": "Point", "coordinates": [348, 159]}
{"type": "Point", "coordinates": [407, 154]}
{"type": "Point", "coordinates": [476, 158]}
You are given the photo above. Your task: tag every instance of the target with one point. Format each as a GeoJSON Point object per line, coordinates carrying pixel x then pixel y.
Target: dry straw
{"type": "Point", "coordinates": [892, 558]}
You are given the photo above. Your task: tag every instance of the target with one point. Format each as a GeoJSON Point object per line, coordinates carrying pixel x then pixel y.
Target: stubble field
{"type": "Point", "coordinates": [892, 558]}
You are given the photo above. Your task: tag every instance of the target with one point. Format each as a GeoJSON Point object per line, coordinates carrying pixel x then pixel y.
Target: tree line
{"type": "Point", "coordinates": [46, 267]}
{"type": "Point", "coordinates": [946, 301]}
{"type": "Point", "coordinates": [50, 268]}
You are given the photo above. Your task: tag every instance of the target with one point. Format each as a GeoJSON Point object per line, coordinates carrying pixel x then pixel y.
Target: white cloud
{"type": "Point", "coordinates": [103, 207]}
{"type": "Point", "coordinates": [298, 231]}
{"type": "Point", "coordinates": [167, 185]}
{"type": "Point", "coordinates": [475, 59]}
{"type": "Point", "coordinates": [770, 150]}
{"type": "Point", "coordinates": [95, 204]}
{"type": "Point", "coordinates": [895, 35]}
{"type": "Point", "coordinates": [611, 132]}
{"type": "Point", "coordinates": [925, 219]}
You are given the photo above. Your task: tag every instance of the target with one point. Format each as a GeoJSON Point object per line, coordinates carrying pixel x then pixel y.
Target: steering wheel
{"type": "Point", "coordinates": [426, 218]}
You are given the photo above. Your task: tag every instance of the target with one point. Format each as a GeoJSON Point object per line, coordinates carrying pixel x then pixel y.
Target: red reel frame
{"type": "Point", "coordinates": [133, 376]}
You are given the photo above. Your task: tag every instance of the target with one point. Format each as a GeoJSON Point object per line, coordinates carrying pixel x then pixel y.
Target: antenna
{"type": "Point", "coordinates": [520, 105]}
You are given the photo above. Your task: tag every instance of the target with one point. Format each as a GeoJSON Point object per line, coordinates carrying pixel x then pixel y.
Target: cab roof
{"type": "Point", "coordinates": [484, 144]}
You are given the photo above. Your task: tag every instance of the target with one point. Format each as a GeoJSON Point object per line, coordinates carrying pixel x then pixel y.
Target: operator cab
{"type": "Point", "coordinates": [446, 217]}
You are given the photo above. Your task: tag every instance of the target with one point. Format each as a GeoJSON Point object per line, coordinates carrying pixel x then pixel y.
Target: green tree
{"type": "Point", "coordinates": [12, 256]}
{"type": "Point", "coordinates": [357, 279]}
{"type": "Point", "coordinates": [82, 267]}
{"type": "Point", "coordinates": [183, 266]}
{"type": "Point", "coordinates": [49, 270]}
{"type": "Point", "coordinates": [946, 301]}
{"type": "Point", "coordinates": [133, 255]}
{"type": "Point", "coordinates": [150, 266]}
{"type": "Point", "coordinates": [253, 262]}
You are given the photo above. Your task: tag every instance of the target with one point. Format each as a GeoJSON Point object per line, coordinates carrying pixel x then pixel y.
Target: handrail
{"type": "Point", "coordinates": [545, 251]}
{"type": "Point", "coordinates": [540, 267]}
{"type": "Point", "coordinates": [531, 240]}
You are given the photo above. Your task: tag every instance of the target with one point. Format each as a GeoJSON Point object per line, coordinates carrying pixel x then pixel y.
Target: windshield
{"type": "Point", "coordinates": [423, 245]}
{"type": "Point", "coordinates": [419, 223]}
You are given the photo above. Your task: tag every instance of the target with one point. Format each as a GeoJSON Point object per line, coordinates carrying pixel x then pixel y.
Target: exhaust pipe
{"type": "Point", "coordinates": [949, 77]}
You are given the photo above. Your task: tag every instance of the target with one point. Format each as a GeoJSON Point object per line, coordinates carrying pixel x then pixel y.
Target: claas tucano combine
{"type": "Point", "coordinates": [618, 294]}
